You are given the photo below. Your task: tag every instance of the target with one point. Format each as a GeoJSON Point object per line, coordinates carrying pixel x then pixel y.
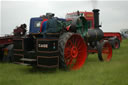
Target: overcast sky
{"type": "Point", "coordinates": [113, 14]}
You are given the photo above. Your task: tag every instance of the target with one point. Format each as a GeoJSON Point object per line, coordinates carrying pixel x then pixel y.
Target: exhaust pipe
{"type": "Point", "coordinates": [96, 18]}
{"type": "Point", "coordinates": [95, 34]}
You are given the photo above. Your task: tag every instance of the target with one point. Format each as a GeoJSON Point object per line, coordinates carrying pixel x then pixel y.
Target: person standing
{"type": "Point", "coordinates": [43, 24]}
{"type": "Point", "coordinates": [51, 23]}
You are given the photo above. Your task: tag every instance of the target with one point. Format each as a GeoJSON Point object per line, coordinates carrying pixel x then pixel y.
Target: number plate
{"type": "Point", "coordinates": [43, 45]}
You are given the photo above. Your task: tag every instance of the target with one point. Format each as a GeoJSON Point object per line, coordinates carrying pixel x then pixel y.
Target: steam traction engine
{"type": "Point", "coordinates": [66, 47]}
{"type": "Point", "coordinates": [87, 25]}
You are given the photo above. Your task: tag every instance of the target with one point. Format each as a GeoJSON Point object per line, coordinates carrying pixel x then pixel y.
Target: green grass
{"type": "Point", "coordinates": [93, 72]}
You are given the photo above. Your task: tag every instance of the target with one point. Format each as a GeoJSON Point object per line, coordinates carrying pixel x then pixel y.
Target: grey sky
{"type": "Point", "coordinates": [113, 14]}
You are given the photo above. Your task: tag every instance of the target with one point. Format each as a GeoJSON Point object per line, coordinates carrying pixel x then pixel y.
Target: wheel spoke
{"type": "Point", "coordinates": [67, 49]}
{"type": "Point", "coordinates": [74, 40]}
{"type": "Point", "coordinates": [73, 62]}
{"type": "Point", "coordinates": [78, 44]}
{"type": "Point", "coordinates": [69, 44]}
{"type": "Point", "coordinates": [105, 57]}
{"type": "Point", "coordinates": [77, 41]}
{"type": "Point", "coordinates": [69, 61]}
{"type": "Point", "coordinates": [81, 51]}
{"type": "Point", "coordinates": [105, 51]}
{"type": "Point", "coordinates": [79, 47]}
{"type": "Point", "coordinates": [68, 57]}
{"type": "Point", "coordinates": [68, 53]}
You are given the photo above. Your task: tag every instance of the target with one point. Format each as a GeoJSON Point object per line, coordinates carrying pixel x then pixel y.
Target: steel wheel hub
{"type": "Point", "coordinates": [74, 52]}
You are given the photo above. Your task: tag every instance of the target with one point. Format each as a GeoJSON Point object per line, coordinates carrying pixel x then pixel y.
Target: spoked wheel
{"type": "Point", "coordinates": [104, 51]}
{"type": "Point", "coordinates": [73, 51]}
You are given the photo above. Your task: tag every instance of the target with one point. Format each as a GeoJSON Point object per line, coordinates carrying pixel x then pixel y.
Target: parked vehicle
{"type": "Point", "coordinates": [67, 47]}
{"type": "Point", "coordinates": [124, 33]}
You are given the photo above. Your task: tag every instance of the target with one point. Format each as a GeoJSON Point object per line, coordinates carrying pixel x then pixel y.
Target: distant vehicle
{"type": "Point", "coordinates": [124, 33]}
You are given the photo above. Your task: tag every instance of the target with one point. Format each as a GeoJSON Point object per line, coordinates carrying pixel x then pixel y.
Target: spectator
{"type": "Point", "coordinates": [43, 24]}
{"type": "Point", "coordinates": [51, 23]}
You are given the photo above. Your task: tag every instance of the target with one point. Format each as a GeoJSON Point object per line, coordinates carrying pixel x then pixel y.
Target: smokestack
{"type": "Point", "coordinates": [96, 18]}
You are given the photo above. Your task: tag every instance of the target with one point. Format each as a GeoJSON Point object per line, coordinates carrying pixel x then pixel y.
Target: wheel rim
{"type": "Point", "coordinates": [116, 45]}
{"type": "Point", "coordinates": [107, 52]}
{"type": "Point", "coordinates": [75, 52]}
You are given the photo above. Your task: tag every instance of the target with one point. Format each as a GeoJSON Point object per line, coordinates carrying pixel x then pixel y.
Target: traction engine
{"type": "Point", "coordinates": [66, 47]}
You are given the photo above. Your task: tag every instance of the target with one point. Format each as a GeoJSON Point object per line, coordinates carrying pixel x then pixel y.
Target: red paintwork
{"type": "Point", "coordinates": [6, 40]}
{"type": "Point", "coordinates": [88, 16]}
{"type": "Point", "coordinates": [116, 45]}
{"type": "Point", "coordinates": [107, 52]}
{"type": "Point", "coordinates": [92, 51]}
{"type": "Point", "coordinates": [42, 24]}
{"type": "Point", "coordinates": [112, 34]}
{"type": "Point", "coordinates": [75, 52]}
{"type": "Point", "coordinates": [68, 27]}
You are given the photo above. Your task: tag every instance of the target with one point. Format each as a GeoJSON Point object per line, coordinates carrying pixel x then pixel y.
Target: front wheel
{"type": "Point", "coordinates": [116, 44]}
{"type": "Point", "coordinates": [104, 51]}
{"type": "Point", "coordinates": [73, 51]}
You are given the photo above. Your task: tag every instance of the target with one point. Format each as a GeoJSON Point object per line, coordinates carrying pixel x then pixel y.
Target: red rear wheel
{"type": "Point", "coordinates": [75, 52]}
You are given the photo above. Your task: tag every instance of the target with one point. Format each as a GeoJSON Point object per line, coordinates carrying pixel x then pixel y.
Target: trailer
{"type": "Point", "coordinates": [5, 43]}
{"type": "Point", "coordinates": [65, 43]}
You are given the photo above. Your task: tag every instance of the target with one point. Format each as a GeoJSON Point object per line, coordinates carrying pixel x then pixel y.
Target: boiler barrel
{"type": "Point", "coordinates": [94, 35]}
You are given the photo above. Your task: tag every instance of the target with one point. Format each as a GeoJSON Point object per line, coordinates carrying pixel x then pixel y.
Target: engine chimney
{"type": "Point", "coordinates": [96, 18]}
{"type": "Point", "coordinates": [95, 34]}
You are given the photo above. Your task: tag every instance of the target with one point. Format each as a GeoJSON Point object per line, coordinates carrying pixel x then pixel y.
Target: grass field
{"type": "Point", "coordinates": [93, 72]}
